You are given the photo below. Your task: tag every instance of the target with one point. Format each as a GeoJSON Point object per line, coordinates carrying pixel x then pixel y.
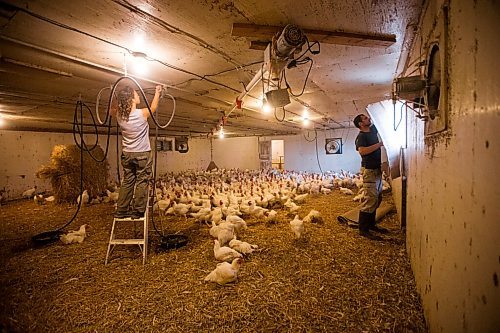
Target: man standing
{"type": "Point", "coordinates": [369, 147]}
{"type": "Point", "coordinates": [136, 152]}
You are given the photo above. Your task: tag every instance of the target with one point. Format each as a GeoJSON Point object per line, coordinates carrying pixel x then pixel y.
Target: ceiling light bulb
{"type": "Point", "coordinates": [138, 41]}
{"type": "Point", "coordinates": [140, 65]}
{"type": "Point", "coordinates": [221, 134]}
{"type": "Point", "coordinates": [266, 108]}
{"type": "Point", "coordinates": [305, 122]}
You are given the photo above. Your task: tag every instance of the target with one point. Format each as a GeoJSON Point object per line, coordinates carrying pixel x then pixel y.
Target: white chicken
{"type": "Point", "coordinates": [325, 190]}
{"type": "Point", "coordinates": [84, 197]}
{"type": "Point", "coordinates": [75, 236]}
{"type": "Point", "coordinates": [38, 199]}
{"type": "Point", "coordinates": [225, 272]}
{"type": "Point", "coordinates": [301, 198]}
{"type": "Point", "coordinates": [360, 195]}
{"type": "Point", "coordinates": [181, 209]}
{"type": "Point", "coordinates": [203, 215]}
{"type": "Point", "coordinates": [297, 226]}
{"type": "Point", "coordinates": [271, 216]}
{"type": "Point", "coordinates": [242, 247]}
{"type": "Point", "coordinates": [292, 206]}
{"type": "Point", "coordinates": [314, 216]}
{"type": "Point", "coordinates": [239, 223]}
{"type": "Point", "coordinates": [217, 215]}
{"type": "Point", "coordinates": [346, 190]}
{"type": "Point", "coordinates": [113, 196]}
{"type": "Point", "coordinates": [162, 205]}
{"type": "Point", "coordinates": [225, 253]}
{"type": "Point", "coordinates": [50, 199]}
{"type": "Point", "coordinates": [29, 193]}
{"type": "Point", "coordinates": [225, 232]}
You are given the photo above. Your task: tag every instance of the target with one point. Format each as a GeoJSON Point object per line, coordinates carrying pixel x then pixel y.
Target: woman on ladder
{"type": "Point", "coordinates": [136, 156]}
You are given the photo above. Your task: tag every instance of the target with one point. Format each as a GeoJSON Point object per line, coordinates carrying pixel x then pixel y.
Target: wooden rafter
{"type": "Point", "coordinates": [264, 33]}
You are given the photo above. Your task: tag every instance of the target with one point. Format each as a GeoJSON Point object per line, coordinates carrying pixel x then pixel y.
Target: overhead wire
{"type": "Point", "coordinates": [78, 127]}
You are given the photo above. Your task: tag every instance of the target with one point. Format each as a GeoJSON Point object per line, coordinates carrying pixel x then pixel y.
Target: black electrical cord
{"type": "Point", "coordinates": [153, 117]}
{"type": "Point", "coordinates": [309, 46]}
{"type": "Point", "coordinates": [78, 125]}
{"type": "Point", "coordinates": [49, 237]}
{"type": "Point", "coordinates": [316, 142]}
{"type": "Point", "coordinates": [276, 116]}
{"type": "Point", "coordinates": [317, 155]}
{"type": "Point", "coordinates": [305, 81]}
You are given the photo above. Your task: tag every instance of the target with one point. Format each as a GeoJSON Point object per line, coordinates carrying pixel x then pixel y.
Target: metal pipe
{"type": "Point", "coordinates": [248, 87]}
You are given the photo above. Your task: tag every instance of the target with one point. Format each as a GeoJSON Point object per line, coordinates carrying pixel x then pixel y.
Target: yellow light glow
{"type": "Point", "coordinates": [2, 121]}
{"type": "Point", "coordinates": [305, 118]}
{"type": "Point", "coordinates": [138, 42]}
{"type": "Point", "coordinates": [221, 134]}
{"type": "Point", "coordinates": [266, 108]}
{"type": "Point", "coordinates": [140, 65]}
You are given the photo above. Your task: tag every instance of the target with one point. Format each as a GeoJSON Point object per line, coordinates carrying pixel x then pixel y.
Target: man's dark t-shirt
{"type": "Point", "coordinates": [365, 139]}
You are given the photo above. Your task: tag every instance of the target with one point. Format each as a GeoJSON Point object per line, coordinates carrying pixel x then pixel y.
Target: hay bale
{"type": "Point", "coordinates": [64, 172]}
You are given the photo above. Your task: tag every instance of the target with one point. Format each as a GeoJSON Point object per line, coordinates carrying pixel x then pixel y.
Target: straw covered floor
{"type": "Point", "coordinates": [333, 280]}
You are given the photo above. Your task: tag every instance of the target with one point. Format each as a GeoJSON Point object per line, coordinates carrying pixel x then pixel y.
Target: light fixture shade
{"type": "Point", "coordinates": [277, 98]}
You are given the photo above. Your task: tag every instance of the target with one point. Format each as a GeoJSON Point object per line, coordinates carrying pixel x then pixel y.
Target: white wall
{"type": "Point", "coordinates": [242, 153]}
{"type": "Point", "coordinates": [453, 214]}
{"type": "Point", "coordinates": [23, 153]}
{"type": "Point", "coordinates": [300, 154]}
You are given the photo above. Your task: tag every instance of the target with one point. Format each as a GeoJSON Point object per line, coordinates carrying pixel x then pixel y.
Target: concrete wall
{"type": "Point", "coordinates": [307, 152]}
{"type": "Point", "coordinates": [453, 225]}
{"type": "Point", "coordinates": [23, 153]}
{"type": "Point", "coordinates": [242, 153]}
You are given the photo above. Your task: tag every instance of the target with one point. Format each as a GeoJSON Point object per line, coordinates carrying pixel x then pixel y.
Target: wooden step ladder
{"type": "Point", "coordinates": [141, 242]}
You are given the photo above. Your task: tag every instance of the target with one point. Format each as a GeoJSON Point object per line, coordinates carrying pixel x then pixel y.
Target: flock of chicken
{"type": "Point", "coordinates": [223, 198]}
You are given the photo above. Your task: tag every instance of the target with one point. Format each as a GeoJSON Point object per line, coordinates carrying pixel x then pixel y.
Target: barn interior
{"type": "Point", "coordinates": [268, 89]}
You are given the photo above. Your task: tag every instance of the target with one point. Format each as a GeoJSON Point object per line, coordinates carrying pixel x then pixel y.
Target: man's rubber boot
{"type": "Point", "coordinates": [373, 224]}
{"type": "Point", "coordinates": [364, 226]}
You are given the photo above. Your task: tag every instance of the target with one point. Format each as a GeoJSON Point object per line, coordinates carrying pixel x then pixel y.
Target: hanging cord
{"type": "Point", "coordinates": [317, 154]}
{"type": "Point", "coordinates": [307, 59]}
{"type": "Point", "coordinates": [83, 145]}
{"type": "Point", "coordinates": [144, 98]}
{"type": "Point", "coordinates": [97, 106]}
{"type": "Point", "coordinates": [394, 126]}
{"type": "Point", "coordinates": [316, 143]}
{"type": "Point", "coordinates": [276, 116]}
{"type": "Point", "coordinates": [153, 194]}
{"type": "Point", "coordinates": [153, 117]}
{"type": "Point", "coordinates": [118, 155]}
{"type": "Point", "coordinates": [211, 149]}
{"type": "Point", "coordinates": [52, 236]}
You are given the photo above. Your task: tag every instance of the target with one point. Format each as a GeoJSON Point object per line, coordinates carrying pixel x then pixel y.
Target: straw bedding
{"type": "Point", "coordinates": [333, 280]}
{"type": "Point", "coordinates": [64, 172]}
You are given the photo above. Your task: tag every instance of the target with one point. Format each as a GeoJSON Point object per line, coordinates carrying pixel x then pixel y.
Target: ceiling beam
{"type": "Point", "coordinates": [266, 32]}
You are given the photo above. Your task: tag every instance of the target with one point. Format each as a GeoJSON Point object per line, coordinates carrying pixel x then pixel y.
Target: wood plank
{"type": "Point", "coordinates": [258, 45]}
{"type": "Point", "coordinates": [266, 32]}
